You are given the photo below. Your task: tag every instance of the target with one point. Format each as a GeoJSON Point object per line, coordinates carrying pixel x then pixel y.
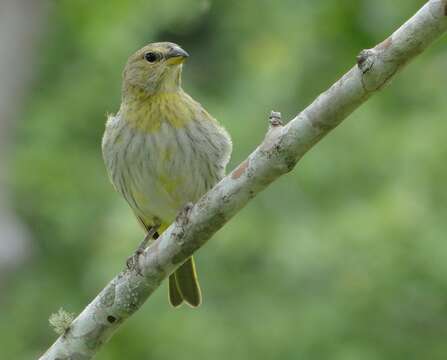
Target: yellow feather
{"type": "Point", "coordinates": [147, 113]}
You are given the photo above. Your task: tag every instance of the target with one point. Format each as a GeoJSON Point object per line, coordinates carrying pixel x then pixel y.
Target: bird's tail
{"type": "Point", "coordinates": [184, 285]}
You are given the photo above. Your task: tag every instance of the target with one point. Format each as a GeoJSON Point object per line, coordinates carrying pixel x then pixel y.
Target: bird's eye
{"type": "Point", "coordinates": [152, 57]}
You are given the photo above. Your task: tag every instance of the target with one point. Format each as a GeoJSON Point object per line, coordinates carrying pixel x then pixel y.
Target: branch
{"type": "Point", "coordinates": [281, 149]}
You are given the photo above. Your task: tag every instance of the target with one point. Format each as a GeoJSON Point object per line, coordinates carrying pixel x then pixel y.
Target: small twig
{"type": "Point", "coordinates": [275, 119]}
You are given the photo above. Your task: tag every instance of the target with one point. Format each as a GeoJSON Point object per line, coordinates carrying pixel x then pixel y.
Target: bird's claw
{"type": "Point", "coordinates": [132, 262]}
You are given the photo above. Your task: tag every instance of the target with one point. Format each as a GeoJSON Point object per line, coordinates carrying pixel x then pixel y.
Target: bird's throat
{"type": "Point", "coordinates": [148, 113]}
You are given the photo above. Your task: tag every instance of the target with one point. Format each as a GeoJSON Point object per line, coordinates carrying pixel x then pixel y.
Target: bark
{"type": "Point", "coordinates": [281, 149]}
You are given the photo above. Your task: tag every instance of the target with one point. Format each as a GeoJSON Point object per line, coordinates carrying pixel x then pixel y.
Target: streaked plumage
{"type": "Point", "coordinates": [162, 149]}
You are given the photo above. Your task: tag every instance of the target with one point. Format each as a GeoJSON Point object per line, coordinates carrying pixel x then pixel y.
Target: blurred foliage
{"type": "Point", "coordinates": [345, 258]}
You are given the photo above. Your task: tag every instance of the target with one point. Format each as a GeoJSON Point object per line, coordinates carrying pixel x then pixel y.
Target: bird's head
{"type": "Point", "coordinates": [155, 68]}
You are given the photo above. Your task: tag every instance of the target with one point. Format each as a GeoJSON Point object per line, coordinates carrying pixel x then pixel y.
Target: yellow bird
{"type": "Point", "coordinates": [163, 150]}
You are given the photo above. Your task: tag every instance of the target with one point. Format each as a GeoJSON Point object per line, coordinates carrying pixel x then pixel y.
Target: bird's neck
{"type": "Point", "coordinates": [167, 82]}
{"type": "Point", "coordinates": [135, 97]}
{"type": "Point", "coordinates": [147, 113]}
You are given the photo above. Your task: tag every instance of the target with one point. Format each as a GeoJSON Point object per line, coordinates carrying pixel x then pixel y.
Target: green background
{"type": "Point", "coordinates": [344, 258]}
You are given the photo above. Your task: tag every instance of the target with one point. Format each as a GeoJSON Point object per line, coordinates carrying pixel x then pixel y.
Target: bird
{"type": "Point", "coordinates": [163, 150]}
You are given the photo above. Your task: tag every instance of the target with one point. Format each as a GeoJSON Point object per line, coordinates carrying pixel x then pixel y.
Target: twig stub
{"type": "Point", "coordinates": [275, 118]}
{"type": "Point", "coordinates": [365, 60]}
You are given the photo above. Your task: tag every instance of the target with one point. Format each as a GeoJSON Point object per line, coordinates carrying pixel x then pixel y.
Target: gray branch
{"type": "Point", "coordinates": [281, 149]}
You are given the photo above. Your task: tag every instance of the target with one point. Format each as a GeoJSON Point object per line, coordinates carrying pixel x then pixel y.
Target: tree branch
{"type": "Point", "coordinates": [281, 149]}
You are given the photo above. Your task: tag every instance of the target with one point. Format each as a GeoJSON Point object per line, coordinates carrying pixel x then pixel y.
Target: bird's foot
{"type": "Point", "coordinates": [132, 262]}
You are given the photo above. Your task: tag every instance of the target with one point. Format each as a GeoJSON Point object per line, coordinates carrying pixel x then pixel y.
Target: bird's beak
{"type": "Point", "coordinates": [176, 55]}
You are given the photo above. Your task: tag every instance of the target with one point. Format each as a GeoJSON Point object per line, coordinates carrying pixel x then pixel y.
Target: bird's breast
{"type": "Point", "coordinates": [159, 164]}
